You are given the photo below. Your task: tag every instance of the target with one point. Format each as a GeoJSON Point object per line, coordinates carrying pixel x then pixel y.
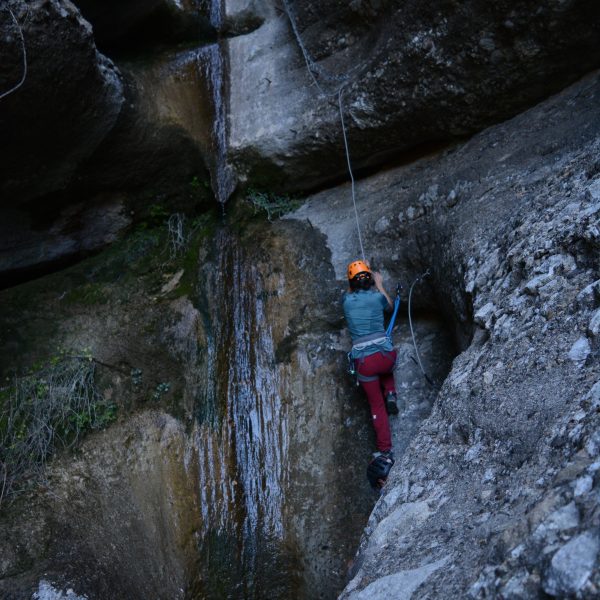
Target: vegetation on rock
{"type": "Point", "coordinates": [274, 205]}
{"type": "Point", "coordinates": [51, 407]}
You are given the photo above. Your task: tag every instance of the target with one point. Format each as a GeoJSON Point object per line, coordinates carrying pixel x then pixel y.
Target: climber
{"type": "Point", "coordinates": [374, 358]}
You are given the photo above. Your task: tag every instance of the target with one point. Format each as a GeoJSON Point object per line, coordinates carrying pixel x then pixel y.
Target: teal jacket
{"type": "Point", "coordinates": [364, 310]}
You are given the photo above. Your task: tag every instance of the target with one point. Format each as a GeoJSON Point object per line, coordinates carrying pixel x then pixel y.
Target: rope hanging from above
{"type": "Point", "coordinates": [352, 185]}
{"type": "Point", "coordinates": [412, 332]}
{"type": "Point", "coordinates": [23, 54]}
{"type": "Point", "coordinates": [316, 71]}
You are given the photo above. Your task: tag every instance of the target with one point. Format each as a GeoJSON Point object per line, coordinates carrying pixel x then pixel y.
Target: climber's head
{"type": "Point", "coordinates": [359, 275]}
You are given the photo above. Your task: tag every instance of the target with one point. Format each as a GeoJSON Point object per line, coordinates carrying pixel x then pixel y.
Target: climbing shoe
{"type": "Point", "coordinates": [379, 469]}
{"type": "Point", "coordinates": [391, 403]}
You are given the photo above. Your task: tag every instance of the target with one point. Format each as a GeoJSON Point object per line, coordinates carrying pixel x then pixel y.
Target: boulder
{"type": "Point", "coordinates": [413, 75]}
{"type": "Point", "coordinates": [572, 566]}
{"type": "Point", "coordinates": [70, 99]}
{"type": "Point", "coordinates": [109, 147]}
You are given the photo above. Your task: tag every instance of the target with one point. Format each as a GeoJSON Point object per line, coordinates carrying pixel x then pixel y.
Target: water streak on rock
{"type": "Point", "coordinates": [212, 65]}
{"type": "Point", "coordinates": [216, 13]}
{"type": "Point", "coordinates": [242, 452]}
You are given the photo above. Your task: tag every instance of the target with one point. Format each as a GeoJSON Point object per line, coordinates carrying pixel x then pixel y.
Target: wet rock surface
{"type": "Point", "coordinates": [497, 480]}
{"type": "Point", "coordinates": [237, 462]}
{"type": "Point", "coordinates": [257, 392]}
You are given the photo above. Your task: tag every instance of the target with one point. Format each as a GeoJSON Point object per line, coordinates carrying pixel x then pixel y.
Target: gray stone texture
{"type": "Point", "coordinates": [572, 565]}
{"type": "Point", "coordinates": [418, 77]}
{"type": "Point", "coordinates": [502, 463]}
{"type": "Point", "coordinates": [495, 488]}
{"type": "Point", "coordinates": [417, 74]}
{"type": "Point", "coordinates": [500, 475]}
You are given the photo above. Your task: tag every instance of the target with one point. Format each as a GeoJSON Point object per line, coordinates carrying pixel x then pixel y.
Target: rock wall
{"type": "Point", "coordinates": [69, 101]}
{"type": "Point", "coordinates": [492, 495]}
{"type": "Point", "coordinates": [228, 369]}
{"type": "Point", "coordinates": [412, 73]}
{"type": "Point", "coordinates": [497, 495]}
{"type": "Point", "coordinates": [126, 504]}
{"type": "Point", "coordinates": [413, 77]}
{"type": "Point", "coordinates": [86, 150]}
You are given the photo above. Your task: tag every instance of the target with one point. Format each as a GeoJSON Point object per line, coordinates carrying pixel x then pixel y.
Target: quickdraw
{"type": "Point", "coordinates": [390, 327]}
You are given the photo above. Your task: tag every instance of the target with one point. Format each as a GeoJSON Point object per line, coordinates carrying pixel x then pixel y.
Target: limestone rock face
{"type": "Point", "coordinates": [493, 494]}
{"type": "Point", "coordinates": [77, 229]}
{"type": "Point", "coordinates": [497, 494]}
{"type": "Point", "coordinates": [70, 99]}
{"type": "Point", "coordinates": [142, 463]}
{"type": "Point", "coordinates": [413, 76]}
{"type": "Point", "coordinates": [90, 148]}
{"type": "Point", "coordinates": [413, 73]}
{"type": "Point", "coordinates": [241, 444]}
{"type": "Point", "coordinates": [236, 342]}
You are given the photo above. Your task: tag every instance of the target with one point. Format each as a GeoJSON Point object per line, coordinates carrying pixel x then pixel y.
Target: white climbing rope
{"type": "Point", "coordinates": [412, 331]}
{"type": "Point", "coordinates": [314, 69]}
{"type": "Point", "coordinates": [20, 30]}
{"type": "Point", "coordinates": [312, 66]}
{"type": "Point", "coordinates": [362, 250]}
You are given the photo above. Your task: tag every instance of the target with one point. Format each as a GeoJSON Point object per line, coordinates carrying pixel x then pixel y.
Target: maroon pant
{"type": "Point", "coordinates": [376, 373]}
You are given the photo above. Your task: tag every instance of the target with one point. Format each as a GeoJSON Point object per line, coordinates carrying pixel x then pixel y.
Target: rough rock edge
{"type": "Point", "coordinates": [514, 434]}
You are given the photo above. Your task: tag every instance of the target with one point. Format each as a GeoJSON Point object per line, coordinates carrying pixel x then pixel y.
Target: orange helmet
{"type": "Point", "coordinates": [356, 267]}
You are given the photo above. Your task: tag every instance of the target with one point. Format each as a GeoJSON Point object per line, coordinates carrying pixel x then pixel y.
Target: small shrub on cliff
{"type": "Point", "coordinates": [275, 206]}
{"type": "Point", "coordinates": [51, 407]}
